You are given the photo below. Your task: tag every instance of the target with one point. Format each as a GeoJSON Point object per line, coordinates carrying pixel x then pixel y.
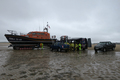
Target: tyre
{"type": "Point", "coordinates": [51, 49]}
{"type": "Point", "coordinates": [113, 48]}
{"type": "Point", "coordinates": [95, 50]}
{"type": "Point", "coordinates": [17, 48]}
{"type": "Point", "coordinates": [33, 48]}
{"type": "Point", "coordinates": [14, 47]}
{"type": "Point", "coordinates": [104, 49]}
{"type": "Point", "coordinates": [59, 49]}
{"type": "Point", "coordinates": [66, 50]}
{"type": "Point", "coordinates": [83, 49]}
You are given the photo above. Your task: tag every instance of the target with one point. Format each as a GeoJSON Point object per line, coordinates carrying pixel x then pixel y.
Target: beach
{"type": "Point", "coordinates": [43, 64]}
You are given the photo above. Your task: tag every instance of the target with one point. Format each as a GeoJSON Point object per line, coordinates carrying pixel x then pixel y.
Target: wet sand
{"type": "Point", "coordinates": [44, 64]}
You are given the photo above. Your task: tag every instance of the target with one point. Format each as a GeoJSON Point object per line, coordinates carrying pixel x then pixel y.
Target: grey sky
{"type": "Point", "coordinates": [95, 19]}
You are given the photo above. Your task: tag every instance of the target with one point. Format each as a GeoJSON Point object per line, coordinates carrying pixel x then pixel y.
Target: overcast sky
{"type": "Point", "coordinates": [95, 19]}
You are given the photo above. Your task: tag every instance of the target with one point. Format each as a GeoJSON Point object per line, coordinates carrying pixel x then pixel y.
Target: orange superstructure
{"type": "Point", "coordinates": [38, 35]}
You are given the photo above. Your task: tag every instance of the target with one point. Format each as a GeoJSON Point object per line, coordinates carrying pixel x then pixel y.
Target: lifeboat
{"type": "Point", "coordinates": [33, 37]}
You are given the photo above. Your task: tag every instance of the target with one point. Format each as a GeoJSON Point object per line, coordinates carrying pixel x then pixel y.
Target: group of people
{"type": "Point", "coordinates": [76, 46]}
{"type": "Point", "coordinates": [72, 46]}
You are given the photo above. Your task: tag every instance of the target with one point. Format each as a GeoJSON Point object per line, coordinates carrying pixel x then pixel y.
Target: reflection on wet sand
{"type": "Point", "coordinates": [48, 65]}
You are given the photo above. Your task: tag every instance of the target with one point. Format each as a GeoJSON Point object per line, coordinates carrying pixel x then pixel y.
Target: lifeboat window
{"type": "Point", "coordinates": [29, 33]}
{"type": "Point", "coordinates": [42, 33]}
{"type": "Point", "coordinates": [33, 33]}
{"type": "Point", "coordinates": [38, 33]}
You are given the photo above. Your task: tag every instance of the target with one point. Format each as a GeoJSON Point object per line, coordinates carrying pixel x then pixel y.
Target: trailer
{"type": "Point", "coordinates": [24, 46]}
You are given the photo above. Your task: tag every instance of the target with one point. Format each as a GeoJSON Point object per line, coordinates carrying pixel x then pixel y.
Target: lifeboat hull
{"type": "Point", "coordinates": [17, 39]}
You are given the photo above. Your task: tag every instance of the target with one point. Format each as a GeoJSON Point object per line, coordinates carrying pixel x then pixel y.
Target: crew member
{"type": "Point", "coordinates": [72, 46]}
{"type": "Point", "coordinates": [76, 46]}
{"type": "Point", "coordinates": [41, 45]}
{"type": "Point", "coordinates": [79, 46]}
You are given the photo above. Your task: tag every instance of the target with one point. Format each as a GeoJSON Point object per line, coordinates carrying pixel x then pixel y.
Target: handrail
{"type": "Point", "coordinates": [12, 32]}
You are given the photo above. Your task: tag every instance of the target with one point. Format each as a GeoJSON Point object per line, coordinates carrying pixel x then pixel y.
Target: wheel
{"type": "Point", "coordinates": [104, 49]}
{"type": "Point", "coordinates": [113, 48]}
{"type": "Point", "coordinates": [14, 47]}
{"type": "Point", "coordinates": [51, 49]}
{"type": "Point", "coordinates": [17, 48]}
{"type": "Point", "coordinates": [32, 48]}
{"type": "Point", "coordinates": [83, 49]}
{"type": "Point", "coordinates": [66, 50]}
{"type": "Point", "coordinates": [95, 50]}
{"type": "Point", "coordinates": [59, 49]}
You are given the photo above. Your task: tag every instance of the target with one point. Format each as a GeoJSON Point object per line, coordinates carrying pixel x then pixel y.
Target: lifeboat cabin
{"type": "Point", "coordinates": [38, 35]}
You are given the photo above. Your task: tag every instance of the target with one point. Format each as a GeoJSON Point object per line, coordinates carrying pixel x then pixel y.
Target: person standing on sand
{"type": "Point", "coordinates": [76, 47]}
{"type": "Point", "coordinates": [41, 45]}
{"type": "Point", "coordinates": [79, 46]}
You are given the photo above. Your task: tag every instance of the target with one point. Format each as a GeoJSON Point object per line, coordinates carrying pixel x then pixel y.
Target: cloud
{"type": "Point", "coordinates": [95, 19]}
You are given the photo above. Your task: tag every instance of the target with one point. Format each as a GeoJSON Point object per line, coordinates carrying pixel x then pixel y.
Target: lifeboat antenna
{"type": "Point", "coordinates": [48, 25]}
{"type": "Point", "coordinates": [46, 28]}
{"type": "Point", "coordinates": [39, 27]}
